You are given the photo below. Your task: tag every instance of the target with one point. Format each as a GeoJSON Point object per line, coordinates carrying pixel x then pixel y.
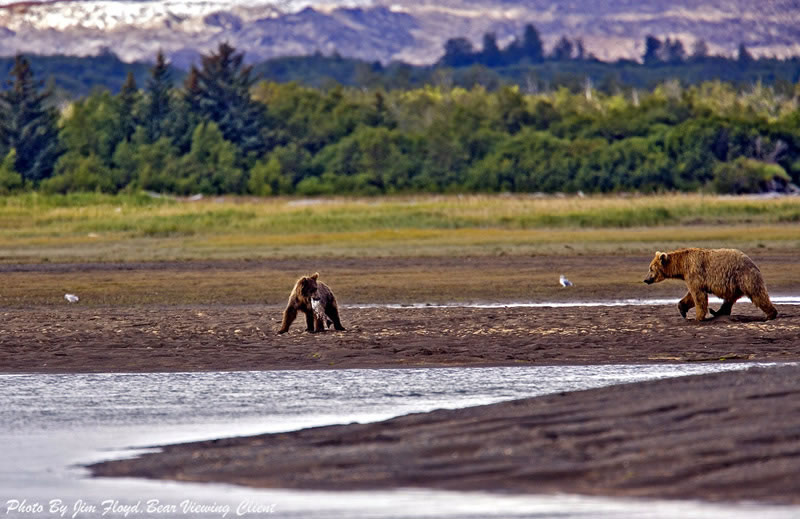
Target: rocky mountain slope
{"type": "Point", "coordinates": [410, 30]}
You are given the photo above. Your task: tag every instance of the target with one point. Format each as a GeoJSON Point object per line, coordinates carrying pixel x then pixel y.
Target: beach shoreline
{"type": "Point", "coordinates": [727, 437]}
{"type": "Point", "coordinates": [72, 339]}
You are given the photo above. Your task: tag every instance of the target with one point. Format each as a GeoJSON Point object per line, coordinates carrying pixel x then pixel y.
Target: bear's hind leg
{"type": "Point", "coordinates": [725, 309]}
{"type": "Point", "coordinates": [686, 304]}
{"type": "Point", "coordinates": [332, 311]}
{"type": "Point", "coordinates": [761, 300]}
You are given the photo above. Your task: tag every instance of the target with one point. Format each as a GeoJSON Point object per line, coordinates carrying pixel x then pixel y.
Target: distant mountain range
{"type": "Point", "coordinates": [384, 30]}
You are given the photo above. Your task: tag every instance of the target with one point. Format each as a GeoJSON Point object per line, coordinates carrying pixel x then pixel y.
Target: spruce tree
{"type": "Point", "coordinates": [157, 106]}
{"type": "Point", "coordinates": [562, 50]}
{"type": "Point", "coordinates": [652, 50]}
{"type": "Point", "coordinates": [532, 45]}
{"type": "Point", "coordinates": [490, 56]}
{"type": "Point", "coordinates": [28, 124]}
{"type": "Point", "coordinates": [743, 56]}
{"type": "Point", "coordinates": [458, 52]}
{"type": "Point", "coordinates": [699, 50]}
{"type": "Point", "coordinates": [219, 91]}
{"type": "Point", "coordinates": [128, 99]}
{"type": "Point", "coordinates": [191, 89]}
{"type": "Point", "coordinates": [513, 53]}
{"type": "Point", "coordinates": [580, 51]}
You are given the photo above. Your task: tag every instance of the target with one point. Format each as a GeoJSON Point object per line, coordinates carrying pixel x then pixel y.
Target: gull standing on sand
{"type": "Point", "coordinates": [564, 281]}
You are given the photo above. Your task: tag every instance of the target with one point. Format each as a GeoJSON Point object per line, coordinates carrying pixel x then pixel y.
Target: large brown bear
{"type": "Point", "coordinates": [727, 273]}
{"type": "Point", "coordinates": [315, 299]}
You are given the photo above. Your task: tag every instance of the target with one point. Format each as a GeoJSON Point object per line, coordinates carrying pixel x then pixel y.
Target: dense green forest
{"type": "Point", "coordinates": [221, 130]}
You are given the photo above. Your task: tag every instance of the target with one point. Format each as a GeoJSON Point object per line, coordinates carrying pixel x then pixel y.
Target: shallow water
{"type": "Point", "coordinates": [51, 424]}
{"type": "Point", "coordinates": [781, 300]}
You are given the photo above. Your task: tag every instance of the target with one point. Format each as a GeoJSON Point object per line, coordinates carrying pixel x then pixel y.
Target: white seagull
{"type": "Point", "coordinates": [72, 298]}
{"type": "Point", "coordinates": [564, 281]}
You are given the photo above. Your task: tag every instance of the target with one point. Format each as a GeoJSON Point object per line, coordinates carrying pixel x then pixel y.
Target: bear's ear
{"type": "Point", "coordinates": [664, 257]}
{"type": "Point", "coordinates": [315, 275]}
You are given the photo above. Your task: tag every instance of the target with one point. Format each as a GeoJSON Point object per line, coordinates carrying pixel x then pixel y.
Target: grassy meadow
{"type": "Point", "coordinates": [90, 227]}
{"type": "Point", "coordinates": [389, 249]}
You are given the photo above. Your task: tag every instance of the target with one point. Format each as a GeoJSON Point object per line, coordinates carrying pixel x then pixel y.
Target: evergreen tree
{"type": "Point", "coordinates": [743, 55]}
{"type": "Point", "coordinates": [672, 52]}
{"type": "Point", "coordinates": [563, 50]}
{"type": "Point", "coordinates": [220, 92]}
{"type": "Point", "coordinates": [183, 119]}
{"type": "Point", "coordinates": [513, 53]}
{"type": "Point", "coordinates": [128, 99]}
{"type": "Point", "coordinates": [490, 56]}
{"type": "Point", "coordinates": [157, 106]}
{"type": "Point", "coordinates": [699, 51]}
{"type": "Point", "coordinates": [652, 49]}
{"type": "Point", "coordinates": [532, 45]}
{"type": "Point", "coordinates": [191, 89]}
{"type": "Point", "coordinates": [27, 124]}
{"type": "Point", "coordinates": [580, 50]}
{"type": "Point", "coordinates": [458, 53]}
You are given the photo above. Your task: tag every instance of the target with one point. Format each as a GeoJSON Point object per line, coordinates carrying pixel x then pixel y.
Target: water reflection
{"type": "Point", "coordinates": [781, 300]}
{"type": "Point", "coordinates": [52, 424]}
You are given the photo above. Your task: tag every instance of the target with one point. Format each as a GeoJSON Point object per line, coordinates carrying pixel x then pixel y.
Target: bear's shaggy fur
{"type": "Point", "coordinates": [315, 299]}
{"type": "Point", "coordinates": [727, 273]}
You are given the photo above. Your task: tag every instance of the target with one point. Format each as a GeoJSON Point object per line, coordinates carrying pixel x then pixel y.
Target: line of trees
{"type": "Point", "coordinates": [459, 52]}
{"type": "Point", "coordinates": [223, 132]}
{"type": "Point", "coordinates": [526, 65]}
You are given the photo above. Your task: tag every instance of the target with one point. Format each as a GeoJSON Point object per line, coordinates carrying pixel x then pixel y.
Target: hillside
{"type": "Point", "coordinates": [408, 30]}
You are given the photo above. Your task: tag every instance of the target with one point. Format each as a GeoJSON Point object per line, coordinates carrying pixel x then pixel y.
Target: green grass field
{"type": "Point", "coordinates": [92, 227]}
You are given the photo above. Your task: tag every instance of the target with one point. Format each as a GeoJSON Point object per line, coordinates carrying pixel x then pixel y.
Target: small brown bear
{"type": "Point", "coordinates": [727, 273]}
{"type": "Point", "coordinates": [315, 299]}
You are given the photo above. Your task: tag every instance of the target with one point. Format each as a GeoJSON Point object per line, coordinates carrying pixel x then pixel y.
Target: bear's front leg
{"type": "Point", "coordinates": [288, 317]}
{"type": "Point", "coordinates": [701, 304]}
{"type": "Point", "coordinates": [309, 320]}
{"type": "Point", "coordinates": [685, 304]}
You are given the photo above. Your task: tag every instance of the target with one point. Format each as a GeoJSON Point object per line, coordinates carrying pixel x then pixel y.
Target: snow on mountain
{"type": "Point", "coordinates": [411, 30]}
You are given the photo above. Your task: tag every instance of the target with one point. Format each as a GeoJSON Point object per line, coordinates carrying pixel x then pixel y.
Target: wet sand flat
{"type": "Point", "coordinates": [228, 337]}
{"type": "Point", "coordinates": [730, 436]}
{"type": "Point", "coordinates": [223, 315]}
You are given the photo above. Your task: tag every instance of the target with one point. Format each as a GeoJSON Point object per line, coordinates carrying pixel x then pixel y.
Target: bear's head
{"type": "Point", "coordinates": [307, 287]}
{"type": "Point", "coordinates": [658, 268]}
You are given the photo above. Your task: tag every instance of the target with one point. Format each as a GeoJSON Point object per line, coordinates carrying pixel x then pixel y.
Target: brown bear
{"type": "Point", "coordinates": [315, 299]}
{"type": "Point", "coordinates": [727, 273]}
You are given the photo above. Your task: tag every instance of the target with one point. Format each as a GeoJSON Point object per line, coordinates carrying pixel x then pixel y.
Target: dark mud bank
{"type": "Point", "coordinates": [732, 436]}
